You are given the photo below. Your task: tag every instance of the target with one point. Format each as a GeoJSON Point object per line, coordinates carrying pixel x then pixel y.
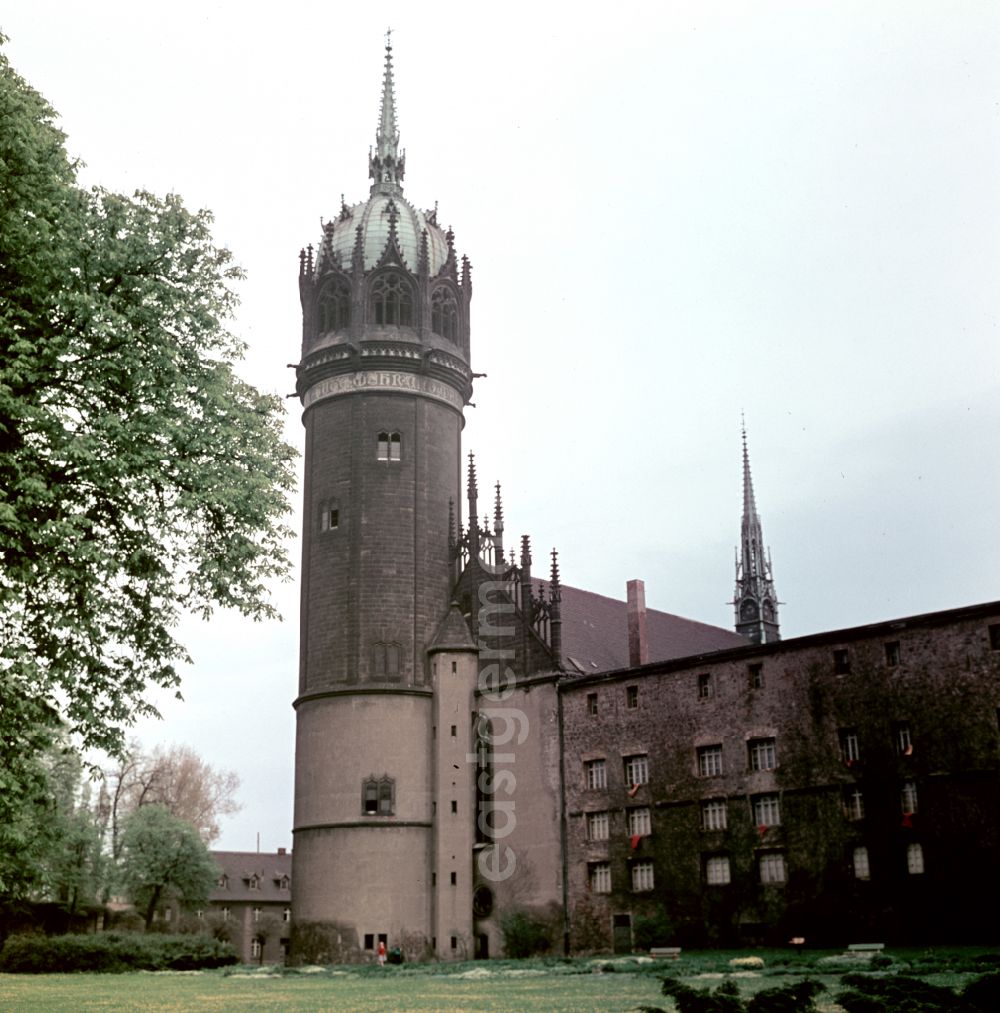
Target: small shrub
{"type": "Point", "coordinates": [524, 934]}
{"type": "Point", "coordinates": [896, 994]}
{"type": "Point", "coordinates": [692, 1000]}
{"type": "Point", "coordinates": [112, 953]}
{"type": "Point", "coordinates": [649, 930]}
{"type": "Point", "coordinates": [794, 998]}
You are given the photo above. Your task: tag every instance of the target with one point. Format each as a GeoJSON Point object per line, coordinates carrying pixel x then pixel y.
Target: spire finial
{"type": "Point", "coordinates": [387, 163]}
{"type": "Point", "coordinates": [473, 493]}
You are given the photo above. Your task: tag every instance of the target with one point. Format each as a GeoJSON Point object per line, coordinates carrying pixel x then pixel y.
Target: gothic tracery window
{"type": "Point", "coordinates": [335, 307]}
{"type": "Point", "coordinates": [378, 795]}
{"type": "Point", "coordinates": [444, 313]}
{"type": "Point", "coordinates": [391, 301]}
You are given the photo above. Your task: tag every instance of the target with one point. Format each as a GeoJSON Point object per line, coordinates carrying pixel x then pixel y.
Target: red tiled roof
{"type": "Point", "coordinates": [595, 633]}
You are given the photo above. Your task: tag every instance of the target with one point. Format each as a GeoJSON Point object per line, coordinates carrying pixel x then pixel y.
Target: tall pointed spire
{"type": "Point", "coordinates": [386, 163]}
{"type": "Point", "coordinates": [755, 601]}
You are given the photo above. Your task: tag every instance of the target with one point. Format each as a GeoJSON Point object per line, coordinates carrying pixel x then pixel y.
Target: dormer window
{"type": "Point", "coordinates": [222, 882]}
{"type": "Point", "coordinates": [254, 882]}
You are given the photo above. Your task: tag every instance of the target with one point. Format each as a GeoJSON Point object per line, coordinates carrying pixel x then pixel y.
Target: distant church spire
{"type": "Point", "coordinates": [755, 601]}
{"type": "Point", "coordinates": [386, 163]}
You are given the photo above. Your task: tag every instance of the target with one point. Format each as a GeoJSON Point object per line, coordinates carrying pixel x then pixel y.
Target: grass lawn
{"type": "Point", "coordinates": [491, 987]}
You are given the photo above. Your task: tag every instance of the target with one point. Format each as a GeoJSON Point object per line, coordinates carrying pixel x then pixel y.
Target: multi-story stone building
{"type": "Point", "coordinates": [473, 741]}
{"type": "Point", "coordinates": [251, 904]}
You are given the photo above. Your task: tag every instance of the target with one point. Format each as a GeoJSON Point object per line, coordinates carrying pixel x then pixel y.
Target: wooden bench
{"type": "Point", "coordinates": [665, 952]}
{"type": "Point", "coordinates": [868, 950]}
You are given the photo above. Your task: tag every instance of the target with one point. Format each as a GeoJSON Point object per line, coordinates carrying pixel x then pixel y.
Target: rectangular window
{"type": "Point", "coordinates": [256, 914]}
{"type": "Point", "coordinates": [632, 697]}
{"type": "Point", "coordinates": [854, 804]}
{"type": "Point", "coordinates": [771, 865]}
{"type": "Point", "coordinates": [762, 754]}
{"type": "Point", "coordinates": [639, 822]}
{"type": "Point", "coordinates": [914, 859]}
{"type": "Point", "coordinates": [286, 915]}
{"type": "Point", "coordinates": [841, 662]}
{"type": "Point", "coordinates": [709, 761]}
{"type": "Point", "coordinates": [395, 447]}
{"type": "Point", "coordinates": [599, 877]}
{"type": "Point", "coordinates": [717, 870]}
{"type": "Point", "coordinates": [908, 797]}
{"type": "Point", "coordinates": [369, 940]}
{"type": "Point", "coordinates": [904, 740]}
{"type": "Point", "coordinates": [255, 947]}
{"type": "Point", "coordinates": [592, 704]}
{"type": "Point", "coordinates": [454, 731]}
{"type": "Point", "coordinates": [767, 811]}
{"type": "Point", "coordinates": [713, 814]}
{"type": "Point", "coordinates": [892, 653]}
{"type": "Point", "coordinates": [995, 637]}
{"type": "Point", "coordinates": [454, 805]}
{"type": "Point", "coordinates": [642, 876]}
{"type": "Point", "coordinates": [225, 914]}
{"type": "Point", "coordinates": [597, 826]}
{"type": "Point", "coordinates": [859, 861]}
{"type": "Point", "coordinates": [755, 676]}
{"type": "Point", "coordinates": [597, 774]}
{"type": "Point", "coordinates": [454, 879]}
{"type": "Point", "coordinates": [704, 685]}
{"type": "Point", "coordinates": [850, 746]}
{"type": "Point", "coordinates": [636, 770]}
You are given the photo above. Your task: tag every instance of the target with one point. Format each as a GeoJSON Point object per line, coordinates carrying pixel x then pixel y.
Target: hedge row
{"type": "Point", "coordinates": [113, 952]}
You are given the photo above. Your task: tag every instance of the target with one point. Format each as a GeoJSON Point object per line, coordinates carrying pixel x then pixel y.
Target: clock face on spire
{"type": "Point", "coordinates": [748, 611]}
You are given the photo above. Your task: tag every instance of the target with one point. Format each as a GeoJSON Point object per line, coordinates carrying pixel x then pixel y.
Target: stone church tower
{"type": "Point", "coordinates": [756, 602]}
{"type": "Point", "coordinates": [383, 377]}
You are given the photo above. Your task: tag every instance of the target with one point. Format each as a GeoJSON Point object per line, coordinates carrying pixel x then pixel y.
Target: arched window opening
{"type": "Point", "coordinates": [378, 795]}
{"type": "Point", "coordinates": [444, 314]}
{"type": "Point", "coordinates": [335, 307]}
{"type": "Point", "coordinates": [386, 660]}
{"type": "Point", "coordinates": [389, 447]}
{"type": "Point", "coordinates": [392, 301]}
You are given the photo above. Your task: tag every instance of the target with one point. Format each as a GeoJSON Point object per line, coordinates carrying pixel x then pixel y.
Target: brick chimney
{"type": "Point", "coordinates": [638, 645]}
{"type": "Point", "coordinates": [281, 851]}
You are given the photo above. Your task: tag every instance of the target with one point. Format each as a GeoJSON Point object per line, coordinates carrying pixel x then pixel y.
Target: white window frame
{"type": "Point", "coordinates": [772, 868]}
{"type": "Point", "coordinates": [598, 826]}
{"type": "Point", "coordinates": [636, 770]}
{"type": "Point", "coordinates": [850, 745]}
{"type": "Point", "coordinates": [640, 822]}
{"type": "Point", "coordinates": [710, 760]}
{"type": "Point", "coordinates": [908, 797]}
{"type": "Point", "coordinates": [860, 863]}
{"type": "Point", "coordinates": [714, 814]}
{"type": "Point", "coordinates": [643, 879]}
{"type": "Point", "coordinates": [599, 877]}
{"type": "Point", "coordinates": [767, 810]}
{"type": "Point", "coordinates": [763, 753]}
{"type": "Point", "coordinates": [854, 804]}
{"type": "Point", "coordinates": [914, 859]}
{"type": "Point", "coordinates": [717, 871]}
{"type": "Point", "coordinates": [597, 773]}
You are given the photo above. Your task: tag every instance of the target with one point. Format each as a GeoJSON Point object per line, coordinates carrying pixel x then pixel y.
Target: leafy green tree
{"type": "Point", "coordinates": [163, 857]}
{"type": "Point", "coordinates": [140, 477]}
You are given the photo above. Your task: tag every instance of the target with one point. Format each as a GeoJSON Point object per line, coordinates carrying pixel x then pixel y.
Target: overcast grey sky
{"type": "Point", "coordinates": [675, 212]}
